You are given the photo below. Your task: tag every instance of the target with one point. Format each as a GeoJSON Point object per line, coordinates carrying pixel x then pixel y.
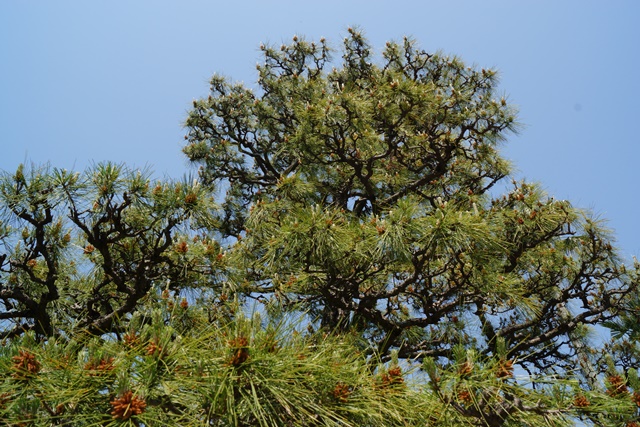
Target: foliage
{"type": "Point", "coordinates": [362, 268]}
{"type": "Point", "coordinates": [83, 250]}
{"type": "Point", "coordinates": [213, 372]}
{"type": "Point", "coordinates": [176, 365]}
{"type": "Point", "coordinates": [362, 194]}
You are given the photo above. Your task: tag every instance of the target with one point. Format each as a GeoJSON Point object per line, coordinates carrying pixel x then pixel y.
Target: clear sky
{"type": "Point", "coordinates": [86, 81]}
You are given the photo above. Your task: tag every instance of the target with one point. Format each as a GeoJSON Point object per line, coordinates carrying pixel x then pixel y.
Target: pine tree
{"type": "Point", "coordinates": [367, 266]}
{"type": "Point", "coordinates": [364, 195]}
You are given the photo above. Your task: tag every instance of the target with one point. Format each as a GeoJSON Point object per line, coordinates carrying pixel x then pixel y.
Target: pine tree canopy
{"type": "Point", "coordinates": [354, 252]}
{"type": "Point", "coordinates": [363, 194]}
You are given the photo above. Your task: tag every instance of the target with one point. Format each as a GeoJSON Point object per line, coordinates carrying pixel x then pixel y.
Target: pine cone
{"type": "Point", "coordinates": [616, 385]}
{"type": "Point", "coordinates": [505, 369]}
{"type": "Point", "coordinates": [25, 365]}
{"type": "Point", "coordinates": [581, 401]}
{"type": "Point", "coordinates": [127, 405]}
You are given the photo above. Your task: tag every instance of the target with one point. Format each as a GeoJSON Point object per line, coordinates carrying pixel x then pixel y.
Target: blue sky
{"type": "Point", "coordinates": [86, 81]}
